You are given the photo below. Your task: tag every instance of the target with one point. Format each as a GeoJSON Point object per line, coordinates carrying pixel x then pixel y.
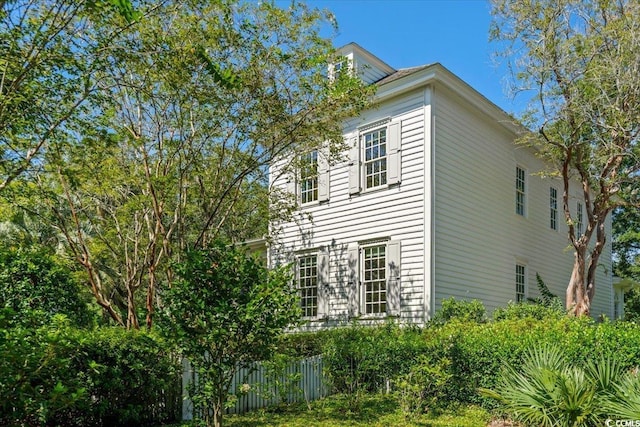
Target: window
{"type": "Point", "coordinates": [374, 279]}
{"type": "Point", "coordinates": [375, 160]}
{"type": "Point", "coordinates": [553, 208]}
{"type": "Point", "coordinates": [520, 191]}
{"type": "Point", "coordinates": [579, 220]}
{"type": "Point", "coordinates": [312, 281]}
{"type": "Point", "coordinates": [521, 278]}
{"type": "Point", "coordinates": [374, 283]}
{"type": "Point", "coordinates": [309, 177]}
{"type": "Point", "coordinates": [308, 284]}
{"type": "Point", "coordinates": [310, 181]}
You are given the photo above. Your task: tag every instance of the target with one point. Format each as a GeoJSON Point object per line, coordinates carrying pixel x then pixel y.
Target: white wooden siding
{"type": "Point", "coordinates": [396, 213]}
{"type": "Point", "coordinates": [460, 235]}
{"type": "Point", "coordinates": [478, 236]}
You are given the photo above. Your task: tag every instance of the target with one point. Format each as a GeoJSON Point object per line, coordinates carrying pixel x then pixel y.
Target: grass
{"type": "Point", "coordinates": [374, 411]}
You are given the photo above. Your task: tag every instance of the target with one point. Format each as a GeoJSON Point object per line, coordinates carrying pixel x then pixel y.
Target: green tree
{"type": "Point", "coordinates": [32, 280]}
{"type": "Point", "coordinates": [48, 55]}
{"type": "Point", "coordinates": [195, 108]}
{"type": "Point", "coordinates": [626, 255]}
{"type": "Point", "coordinates": [225, 311]}
{"type": "Point", "coordinates": [580, 60]}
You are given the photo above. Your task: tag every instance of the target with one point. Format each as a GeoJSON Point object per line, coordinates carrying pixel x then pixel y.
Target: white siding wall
{"type": "Point", "coordinates": [367, 71]}
{"type": "Point", "coordinates": [396, 213]}
{"type": "Point", "coordinates": [478, 236]}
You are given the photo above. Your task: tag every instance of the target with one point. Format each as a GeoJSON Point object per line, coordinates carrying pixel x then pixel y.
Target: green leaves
{"type": "Point", "coordinates": [225, 311]}
{"type": "Point", "coordinates": [546, 389]}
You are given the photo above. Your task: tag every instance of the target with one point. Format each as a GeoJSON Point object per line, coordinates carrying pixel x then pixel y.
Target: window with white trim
{"type": "Point", "coordinates": [520, 191]}
{"type": "Point", "coordinates": [553, 208]}
{"type": "Point", "coordinates": [309, 177]}
{"type": "Point", "coordinates": [521, 282]}
{"type": "Point", "coordinates": [309, 182]}
{"type": "Point", "coordinates": [375, 157]}
{"type": "Point", "coordinates": [374, 283]}
{"type": "Point", "coordinates": [579, 220]}
{"type": "Point", "coordinates": [374, 279]}
{"type": "Point", "coordinates": [308, 284]}
{"type": "Point", "coordinates": [312, 282]}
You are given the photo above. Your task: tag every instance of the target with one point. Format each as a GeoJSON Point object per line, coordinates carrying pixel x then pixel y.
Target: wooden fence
{"type": "Point", "coordinates": [264, 385]}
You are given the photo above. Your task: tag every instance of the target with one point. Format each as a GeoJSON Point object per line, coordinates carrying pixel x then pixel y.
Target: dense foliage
{"type": "Point", "coordinates": [578, 62]}
{"type": "Point", "coordinates": [545, 389]}
{"type": "Point", "coordinates": [136, 130]}
{"type": "Point", "coordinates": [225, 310]}
{"type": "Point", "coordinates": [35, 280]}
{"type": "Point", "coordinates": [55, 374]}
{"type": "Point", "coordinates": [447, 362]}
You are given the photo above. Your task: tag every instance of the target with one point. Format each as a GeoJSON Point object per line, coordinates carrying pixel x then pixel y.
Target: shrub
{"type": "Point", "coordinates": [464, 311]}
{"type": "Point", "coordinates": [223, 312]}
{"type": "Point", "coordinates": [35, 281]}
{"type": "Point", "coordinates": [423, 389]}
{"type": "Point", "coordinates": [528, 310]}
{"type": "Point", "coordinates": [548, 390]}
{"type": "Point", "coordinates": [56, 374]}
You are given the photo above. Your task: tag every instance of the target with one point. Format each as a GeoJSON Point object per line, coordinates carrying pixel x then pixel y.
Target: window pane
{"type": "Point", "coordinates": [374, 283]}
{"type": "Point", "coordinates": [308, 284]}
{"type": "Point", "coordinates": [375, 151]}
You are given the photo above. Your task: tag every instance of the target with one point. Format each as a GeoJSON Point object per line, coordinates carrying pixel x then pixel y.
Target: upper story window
{"type": "Point", "coordinates": [520, 191]}
{"type": "Point", "coordinates": [553, 208]}
{"type": "Point", "coordinates": [309, 177]}
{"type": "Point", "coordinates": [579, 220]}
{"type": "Point", "coordinates": [310, 180]}
{"type": "Point", "coordinates": [375, 157]}
{"type": "Point", "coordinates": [521, 282]}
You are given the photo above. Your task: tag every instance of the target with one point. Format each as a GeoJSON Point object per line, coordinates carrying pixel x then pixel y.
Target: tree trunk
{"type": "Point", "coordinates": [578, 301]}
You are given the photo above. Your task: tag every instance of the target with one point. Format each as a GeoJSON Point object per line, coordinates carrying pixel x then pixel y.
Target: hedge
{"type": "Point", "coordinates": [55, 374]}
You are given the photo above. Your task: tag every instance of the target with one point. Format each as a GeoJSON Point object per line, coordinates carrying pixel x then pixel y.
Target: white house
{"type": "Point", "coordinates": [434, 200]}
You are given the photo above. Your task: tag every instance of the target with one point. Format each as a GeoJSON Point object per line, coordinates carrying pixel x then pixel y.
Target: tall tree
{"type": "Point", "coordinates": [195, 104]}
{"type": "Point", "coordinates": [580, 59]}
{"type": "Point", "coordinates": [48, 54]}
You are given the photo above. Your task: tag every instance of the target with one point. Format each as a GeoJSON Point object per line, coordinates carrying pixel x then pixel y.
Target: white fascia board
{"type": "Point", "coordinates": [436, 73]}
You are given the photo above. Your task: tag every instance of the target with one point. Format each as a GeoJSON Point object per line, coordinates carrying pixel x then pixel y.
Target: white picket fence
{"type": "Point", "coordinates": [300, 380]}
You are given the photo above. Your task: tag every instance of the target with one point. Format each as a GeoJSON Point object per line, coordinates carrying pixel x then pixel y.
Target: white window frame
{"type": "Point", "coordinates": [295, 178]}
{"type": "Point", "coordinates": [373, 290]}
{"type": "Point", "coordinates": [361, 156]}
{"type": "Point", "coordinates": [374, 150]}
{"type": "Point", "coordinates": [521, 191]}
{"type": "Point", "coordinates": [307, 283]}
{"type": "Point", "coordinates": [521, 282]}
{"type": "Point", "coordinates": [359, 305]}
{"type": "Point", "coordinates": [553, 208]}
{"type": "Point", "coordinates": [321, 280]}
{"type": "Point", "coordinates": [308, 178]}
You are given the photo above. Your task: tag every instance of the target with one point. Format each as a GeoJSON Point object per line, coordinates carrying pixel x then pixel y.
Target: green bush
{"type": "Point", "coordinates": [361, 358]}
{"type": "Point", "coordinates": [465, 311]}
{"type": "Point", "coordinates": [546, 389]}
{"type": "Point", "coordinates": [56, 374]}
{"type": "Point", "coordinates": [528, 310]}
{"type": "Point", "coordinates": [423, 389]}
{"type": "Point", "coordinates": [33, 280]}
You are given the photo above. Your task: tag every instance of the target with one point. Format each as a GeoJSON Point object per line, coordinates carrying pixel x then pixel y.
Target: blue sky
{"type": "Point", "coordinates": [406, 33]}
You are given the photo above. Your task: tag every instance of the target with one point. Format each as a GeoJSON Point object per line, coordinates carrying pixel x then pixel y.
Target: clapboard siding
{"type": "Point", "coordinates": [478, 236]}
{"type": "Point", "coordinates": [453, 211]}
{"type": "Point", "coordinates": [395, 213]}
